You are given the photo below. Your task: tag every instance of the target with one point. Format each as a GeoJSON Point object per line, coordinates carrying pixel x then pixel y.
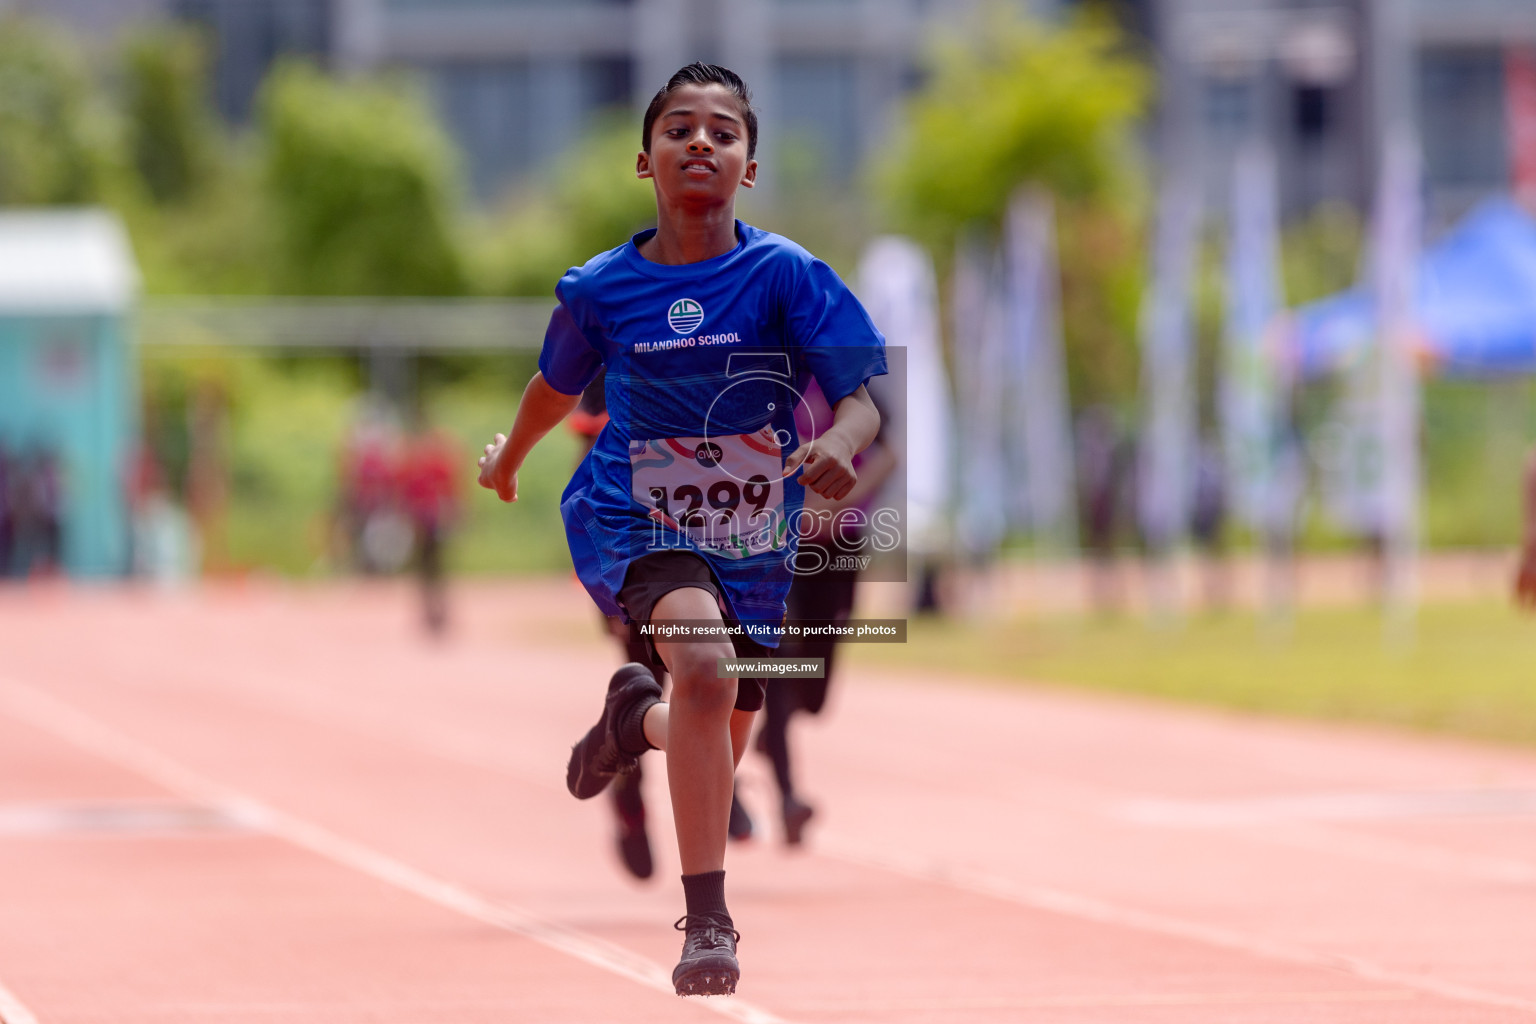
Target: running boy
{"type": "Point", "coordinates": [686, 510]}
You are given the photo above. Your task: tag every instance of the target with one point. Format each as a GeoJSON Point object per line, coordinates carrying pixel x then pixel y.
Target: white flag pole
{"type": "Point", "coordinates": [1397, 249]}
{"type": "Point", "coordinates": [1168, 433]}
{"type": "Point", "coordinates": [978, 352]}
{"type": "Point", "coordinates": [1043, 490]}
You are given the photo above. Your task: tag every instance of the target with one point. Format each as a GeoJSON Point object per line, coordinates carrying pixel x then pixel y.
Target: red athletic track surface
{"type": "Point", "coordinates": [323, 817]}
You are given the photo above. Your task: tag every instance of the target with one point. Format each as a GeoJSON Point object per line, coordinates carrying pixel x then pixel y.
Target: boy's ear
{"type": "Point", "coordinates": [643, 165]}
{"type": "Point", "coordinates": [749, 178]}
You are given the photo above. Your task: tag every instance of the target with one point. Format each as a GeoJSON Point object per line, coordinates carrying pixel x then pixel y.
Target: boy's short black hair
{"type": "Point", "coordinates": [699, 73]}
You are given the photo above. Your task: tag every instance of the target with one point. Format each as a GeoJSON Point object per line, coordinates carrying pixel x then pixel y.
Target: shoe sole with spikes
{"type": "Point", "coordinates": [708, 981]}
{"type": "Point", "coordinates": [708, 966]}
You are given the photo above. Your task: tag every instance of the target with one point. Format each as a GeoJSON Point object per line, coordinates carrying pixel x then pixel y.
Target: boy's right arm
{"type": "Point", "coordinates": [540, 411]}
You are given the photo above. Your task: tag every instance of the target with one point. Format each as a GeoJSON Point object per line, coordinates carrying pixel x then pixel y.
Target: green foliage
{"type": "Point", "coordinates": [1476, 436]}
{"type": "Point", "coordinates": [1010, 102]}
{"type": "Point", "coordinates": [1320, 254]}
{"type": "Point", "coordinates": [596, 190]}
{"type": "Point", "coordinates": [172, 134]}
{"type": "Point", "coordinates": [57, 141]}
{"type": "Point", "coordinates": [589, 202]}
{"type": "Point", "coordinates": [1101, 252]}
{"type": "Point", "coordinates": [360, 181]}
{"type": "Point", "coordinates": [203, 225]}
{"type": "Point", "coordinates": [219, 241]}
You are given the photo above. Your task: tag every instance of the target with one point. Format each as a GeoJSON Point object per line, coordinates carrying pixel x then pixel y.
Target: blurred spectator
{"type": "Point", "coordinates": [1208, 516]}
{"type": "Point", "coordinates": [208, 472]}
{"type": "Point", "coordinates": [34, 498]}
{"type": "Point", "coordinates": [427, 481]}
{"type": "Point", "coordinates": [164, 542]}
{"type": "Point", "coordinates": [7, 526]}
{"type": "Point", "coordinates": [1525, 577]}
{"type": "Point", "coordinates": [377, 535]}
{"type": "Point", "coordinates": [1103, 469]}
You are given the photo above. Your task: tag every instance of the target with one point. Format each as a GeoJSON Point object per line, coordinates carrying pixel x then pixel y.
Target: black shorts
{"type": "Point", "coordinates": [651, 577]}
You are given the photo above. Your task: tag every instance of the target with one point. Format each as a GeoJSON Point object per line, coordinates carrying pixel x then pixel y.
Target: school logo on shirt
{"type": "Point", "coordinates": [685, 316]}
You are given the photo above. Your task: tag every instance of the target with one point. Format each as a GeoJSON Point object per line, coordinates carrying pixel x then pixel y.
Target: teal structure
{"type": "Point", "coordinates": [68, 385]}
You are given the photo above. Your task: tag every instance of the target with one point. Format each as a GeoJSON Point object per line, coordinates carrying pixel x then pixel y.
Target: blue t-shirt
{"type": "Point", "coordinates": [705, 365]}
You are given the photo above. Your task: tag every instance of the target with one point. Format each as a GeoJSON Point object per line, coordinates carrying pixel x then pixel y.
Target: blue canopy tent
{"type": "Point", "coordinates": [1476, 307]}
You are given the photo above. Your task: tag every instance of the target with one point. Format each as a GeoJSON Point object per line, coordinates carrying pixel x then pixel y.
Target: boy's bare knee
{"type": "Point", "coordinates": [696, 682]}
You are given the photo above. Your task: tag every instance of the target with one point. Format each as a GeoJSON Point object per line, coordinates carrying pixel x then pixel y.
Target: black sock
{"type": "Point", "coordinates": [631, 729]}
{"type": "Point", "coordinates": [704, 895]}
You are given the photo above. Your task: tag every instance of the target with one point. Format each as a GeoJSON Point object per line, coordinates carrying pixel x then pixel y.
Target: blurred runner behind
{"type": "Point", "coordinates": [823, 596]}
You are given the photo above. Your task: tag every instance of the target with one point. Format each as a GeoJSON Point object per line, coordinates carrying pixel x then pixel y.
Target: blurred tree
{"type": "Point", "coordinates": [587, 203]}
{"type": "Point", "coordinates": [172, 134]}
{"type": "Point", "coordinates": [199, 219]}
{"type": "Point", "coordinates": [1320, 254]}
{"type": "Point", "coordinates": [1011, 101]}
{"type": "Point", "coordinates": [360, 179]}
{"type": "Point", "coordinates": [57, 142]}
{"type": "Point", "coordinates": [596, 190]}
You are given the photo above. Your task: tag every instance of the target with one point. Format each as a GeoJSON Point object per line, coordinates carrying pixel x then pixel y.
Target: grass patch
{"type": "Point", "coordinates": [1469, 669]}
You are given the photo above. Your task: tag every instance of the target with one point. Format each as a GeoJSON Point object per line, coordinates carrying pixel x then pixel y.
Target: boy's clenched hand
{"type": "Point", "coordinates": [496, 473]}
{"type": "Point", "coordinates": [828, 462]}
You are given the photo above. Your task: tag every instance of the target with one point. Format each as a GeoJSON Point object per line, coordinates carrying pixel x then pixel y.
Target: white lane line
{"type": "Point", "coordinates": [1247, 999]}
{"type": "Point", "coordinates": [270, 693]}
{"type": "Point", "coordinates": [1099, 911]}
{"type": "Point", "coordinates": [46, 712]}
{"type": "Point", "coordinates": [12, 1011]}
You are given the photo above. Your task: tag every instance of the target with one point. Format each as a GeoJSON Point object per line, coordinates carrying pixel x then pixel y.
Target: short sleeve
{"type": "Point", "coordinates": [569, 360]}
{"type": "Point", "coordinates": [837, 340]}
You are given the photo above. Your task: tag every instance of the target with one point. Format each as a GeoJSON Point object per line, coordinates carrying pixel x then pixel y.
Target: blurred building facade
{"type": "Point", "coordinates": [1307, 77]}
{"type": "Point", "coordinates": [517, 81]}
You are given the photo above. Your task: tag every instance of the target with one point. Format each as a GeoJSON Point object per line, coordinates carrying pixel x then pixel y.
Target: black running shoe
{"type": "Point", "coordinates": [708, 966]}
{"type": "Point", "coordinates": [629, 809]}
{"type": "Point", "coordinates": [796, 814]}
{"type": "Point", "coordinates": [739, 827]}
{"type": "Point", "coordinates": [597, 757]}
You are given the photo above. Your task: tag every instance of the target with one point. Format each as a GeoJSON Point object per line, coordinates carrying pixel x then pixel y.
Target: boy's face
{"type": "Point", "coordinates": [699, 147]}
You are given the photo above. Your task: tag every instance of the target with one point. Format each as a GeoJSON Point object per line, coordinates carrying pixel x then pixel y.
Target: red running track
{"type": "Point", "coordinates": [282, 804]}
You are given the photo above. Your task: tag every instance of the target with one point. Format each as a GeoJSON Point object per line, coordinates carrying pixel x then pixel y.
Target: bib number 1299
{"type": "Point", "coordinates": [725, 493]}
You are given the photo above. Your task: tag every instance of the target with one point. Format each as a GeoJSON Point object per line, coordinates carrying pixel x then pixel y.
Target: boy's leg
{"type": "Point", "coordinates": [702, 732]}
{"type": "Point", "coordinates": [658, 719]}
{"type": "Point", "coordinates": [698, 738]}
{"type": "Point", "coordinates": [633, 840]}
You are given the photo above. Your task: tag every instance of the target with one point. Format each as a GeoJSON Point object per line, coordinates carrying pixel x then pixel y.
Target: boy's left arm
{"type": "Point", "coordinates": [828, 459]}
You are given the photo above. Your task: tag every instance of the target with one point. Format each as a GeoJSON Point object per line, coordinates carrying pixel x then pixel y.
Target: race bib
{"type": "Point", "coordinates": [726, 493]}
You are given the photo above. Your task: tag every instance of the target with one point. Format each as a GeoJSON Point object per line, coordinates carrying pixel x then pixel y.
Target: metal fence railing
{"type": "Point", "coordinates": [344, 323]}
